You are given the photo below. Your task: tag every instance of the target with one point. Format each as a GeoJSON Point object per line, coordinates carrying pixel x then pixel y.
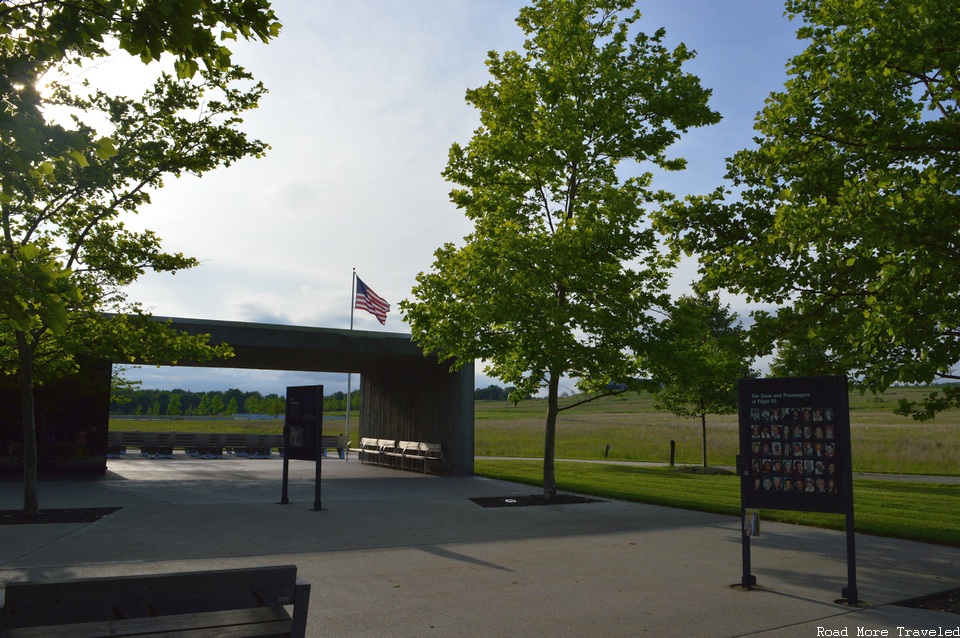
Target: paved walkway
{"type": "Point", "coordinates": [402, 554]}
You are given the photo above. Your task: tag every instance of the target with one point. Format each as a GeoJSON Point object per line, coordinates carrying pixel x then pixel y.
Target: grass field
{"type": "Point", "coordinates": [881, 440]}
{"type": "Point", "coordinates": [154, 424]}
{"type": "Point", "coordinates": [915, 511]}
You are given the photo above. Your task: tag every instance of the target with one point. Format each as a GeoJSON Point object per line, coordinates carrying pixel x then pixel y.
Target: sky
{"type": "Point", "coordinates": [365, 99]}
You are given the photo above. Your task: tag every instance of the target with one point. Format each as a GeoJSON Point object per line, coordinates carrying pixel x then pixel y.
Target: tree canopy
{"type": "Point", "coordinates": [842, 220]}
{"type": "Point", "coordinates": [43, 37]}
{"type": "Point", "coordinates": [75, 159]}
{"type": "Point", "coordinates": [562, 267]}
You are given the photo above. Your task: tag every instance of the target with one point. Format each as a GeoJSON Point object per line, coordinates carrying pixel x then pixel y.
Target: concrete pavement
{"type": "Point", "coordinates": [402, 554]}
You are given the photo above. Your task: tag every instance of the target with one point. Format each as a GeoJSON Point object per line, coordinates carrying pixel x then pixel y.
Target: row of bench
{"type": "Point", "coordinates": [388, 452]}
{"type": "Point", "coordinates": [400, 454]}
{"type": "Point", "coordinates": [208, 445]}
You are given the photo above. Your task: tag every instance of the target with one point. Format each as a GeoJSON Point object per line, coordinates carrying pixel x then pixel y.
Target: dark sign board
{"type": "Point", "coordinates": [304, 422]}
{"type": "Point", "coordinates": [795, 444]}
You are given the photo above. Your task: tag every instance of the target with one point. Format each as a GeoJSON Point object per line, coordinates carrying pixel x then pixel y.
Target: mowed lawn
{"type": "Point", "coordinates": [881, 442]}
{"type": "Point", "coordinates": [924, 512]}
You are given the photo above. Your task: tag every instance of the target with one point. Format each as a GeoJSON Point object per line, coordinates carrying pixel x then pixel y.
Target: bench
{"type": "Point", "coordinates": [423, 454]}
{"type": "Point", "coordinates": [204, 445]}
{"type": "Point", "coordinates": [263, 444]}
{"type": "Point", "coordinates": [392, 453]}
{"type": "Point", "coordinates": [115, 446]}
{"type": "Point", "coordinates": [157, 445]}
{"type": "Point", "coordinates": [414, 453]}
{"type": "Point", "coordinates": [369, 448]}
{"type": "Point", "coordinates": [402, 451]}
{"type": "Point", "coordinates": [118, 442]}
{"type": "Point", "coordinates": [400, 454]}
{"type": "Point", "coordinates": [339, 443]}
{"type": "Point", "coordinates": [228, 602]}
{"type": "Point", "coordinates": [253, 446]}
{"type": "Point", "coordinates": [196, 444]}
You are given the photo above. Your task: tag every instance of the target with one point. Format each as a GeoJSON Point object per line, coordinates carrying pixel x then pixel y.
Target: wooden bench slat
{"type": "Point", "coordinates": [263, 621]}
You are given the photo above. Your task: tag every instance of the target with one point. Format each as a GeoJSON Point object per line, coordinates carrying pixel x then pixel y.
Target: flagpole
{"type": "Point", "coordinates": [353, 292]}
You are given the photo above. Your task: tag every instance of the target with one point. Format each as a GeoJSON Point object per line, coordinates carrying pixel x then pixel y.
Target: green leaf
{"type": "Point", "coordinates": [79, 158]}
{"type": "Point", "coordinates": [105, 148]}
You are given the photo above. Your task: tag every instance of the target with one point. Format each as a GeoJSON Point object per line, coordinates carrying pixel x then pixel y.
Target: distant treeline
{"type": "Point", "coordinates": [135, 402]}
{"type": "Point", "coordinates": [493, 393]}
{"type": "Point", "coordinates": [179, 402]}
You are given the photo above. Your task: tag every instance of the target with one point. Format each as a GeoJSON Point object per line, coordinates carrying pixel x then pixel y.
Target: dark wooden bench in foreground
{"type": "Point", "coordinates": [228, 602]}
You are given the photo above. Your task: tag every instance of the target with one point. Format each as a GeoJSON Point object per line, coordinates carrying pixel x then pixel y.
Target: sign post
{"type": "Point", "coordinates": [795, 454]}
{"type": "Point", "coordinates": [749, 526]}
{"type": "Point", "coordinates": [302, 432]}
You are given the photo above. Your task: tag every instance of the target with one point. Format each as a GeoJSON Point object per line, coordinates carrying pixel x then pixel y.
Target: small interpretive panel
{"type": "Point", "coordinates": [304, 421]}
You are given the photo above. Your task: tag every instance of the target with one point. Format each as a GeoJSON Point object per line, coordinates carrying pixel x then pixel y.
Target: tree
{"type": "Point", "coordinates": [274, 405]}
{"type": "Point", "coordinates": [174, 408]}
{"type": "Point", "coordinates": [217, 406]}
{"type": "Point", "coordinates": [843, 217]}
{"type": "Point", "coordinates": [65, 254]}
{"type": "Point", "coordinates": [802, 356]}
{"type": "Point", "coordinates": [491, 393]}
{"type": "Point", "coordinates": [252, 404]}
{"type": "Point", "coordinates": [204, 407]}
{"type": "Point", "coordinates": [561, 268]}
{"type": "Point", "coordinates": [699, 352]}
{"type": "Point", "coordinates": [335, 402]}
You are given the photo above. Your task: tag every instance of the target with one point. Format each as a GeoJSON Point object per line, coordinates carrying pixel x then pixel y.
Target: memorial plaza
{"type": "Point", "coordinates": [400, 553]}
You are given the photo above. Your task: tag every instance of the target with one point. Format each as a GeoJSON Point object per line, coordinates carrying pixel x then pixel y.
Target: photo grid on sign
{"type": "Point", "coordinates": [793, 450]}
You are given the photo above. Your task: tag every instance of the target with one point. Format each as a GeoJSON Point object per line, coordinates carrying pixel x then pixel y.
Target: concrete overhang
{"type": "Point", "coordinates": [280, 347]}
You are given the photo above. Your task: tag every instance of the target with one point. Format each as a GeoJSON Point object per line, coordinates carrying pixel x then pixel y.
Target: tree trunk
{"type": "Point", "coordinates": [703, 425]}
{"type": "Point", "coordinates": [550, 438]}
{"type": "Point", "coordinates": [31, 502]}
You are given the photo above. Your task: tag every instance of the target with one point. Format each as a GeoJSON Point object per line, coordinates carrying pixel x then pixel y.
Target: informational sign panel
{"type": "Point", "coordinates": [304, 422]}
{"type": "Point", "coordinates": [795, 455]}
{"type": "Point", "coordinates": [795, 444]}
{"type": "Point", "coordinates": [302, 433]}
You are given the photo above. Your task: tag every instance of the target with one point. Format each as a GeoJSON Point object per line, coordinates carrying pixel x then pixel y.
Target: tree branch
{"type": "Point", "coordinates": [591, 398]}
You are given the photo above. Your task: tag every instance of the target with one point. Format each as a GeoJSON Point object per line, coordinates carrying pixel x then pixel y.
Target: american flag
{"type": "Point", "coordinates": [371, 302]}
